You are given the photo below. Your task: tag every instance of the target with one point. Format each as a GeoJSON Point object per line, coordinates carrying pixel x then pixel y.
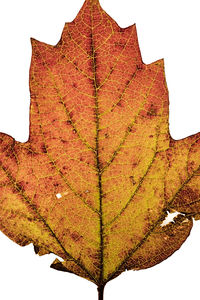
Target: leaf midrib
{"type": "Point", "coordinates": [98, 166]}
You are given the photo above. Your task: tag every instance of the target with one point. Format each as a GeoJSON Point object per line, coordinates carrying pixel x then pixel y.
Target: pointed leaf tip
{"type": "Point", "coordinates": [91, 2]}
{"type": "Point", "coordinates": [34, 42]}
{"type": "Point", "coordinates": [99, 150]}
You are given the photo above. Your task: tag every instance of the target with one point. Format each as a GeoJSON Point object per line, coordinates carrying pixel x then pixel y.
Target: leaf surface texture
{"type": "Point", "coordinates": [100, 171]}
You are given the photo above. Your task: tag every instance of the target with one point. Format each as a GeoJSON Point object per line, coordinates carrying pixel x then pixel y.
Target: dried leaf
{"type": "Point", "coordinates": [100, 174]}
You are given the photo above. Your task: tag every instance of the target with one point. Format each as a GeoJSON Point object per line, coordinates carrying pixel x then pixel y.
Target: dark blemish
{"type": "Point", "coordinates": [75, 85]}
{"type": "Point", "coordinates": [81, 159]}
{"type": "Point", "coordinates": [71, 114]}
{"type": "Point", "coordinates": [114, 227]}
{"type": "Point", "coordinates": [133, 130]}
{"type": "Point", "coordinates": [132, 180]}
{"type": "Point", "coordinates": [119, 104]}
{"type": "Point", "coordinates": [76, 65]}
{"type": "Point", "coordinates": [89, 202]}
{"type": "Point", "coordinates": [139, 67]}
{"type": "Point", "coordinates": [106, 135]}
{"type": "Point", "coordinates": [53, 120]}
{"type": "Point", "coordinates": [64, 141]}
{"type": "Point", "coordinates": [56, 184]}
{"type": "Point", "coordinates": [127, 82]}
{"type": "Point", "coordinates": [63, 56]}
{"type": "Point", "coordinates": [170, 234]}
{"type": "Point", "coordinates": [151, 136]}
{"type": "Point", "coordinates": [69, 122]}
{"type": "Point", "coordinates": [134, 165]}
{"type": "Point", "coordinates": [65, 168]}
{"type": "Point", "coordinates": [74, 131]}
{"type": "Point", "coordinates": [152, 112]}
{"type": "Point", "coordinates": [76, 236]}
{"type": "Point", "coordinates": [44, 149]}
{"type": "Point", "coordinates": [129, 128]}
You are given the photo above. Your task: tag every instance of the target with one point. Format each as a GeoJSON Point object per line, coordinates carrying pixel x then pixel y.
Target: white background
{"type": "Point", "coordinates": [169, 29]}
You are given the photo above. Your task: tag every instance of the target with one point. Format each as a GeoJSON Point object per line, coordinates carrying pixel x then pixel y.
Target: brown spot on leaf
{"type": "Point", "coordinates": [152, 111]}
{"type": "Point", "coordinates": [132, 180]}
{"type": "Point", "coordinates": [134, 165]}
{"type": "Point", "coordinates": [43, 148]}
{"type": "Point", "coordinates": [187, 199]}
{"type": "Point", "coordinates": [140, 66]}
{"type": "Point", "coordinates": [106, 135]}
{"type": "Point", "coordinates": [119, 104]}
{"type": "Point", "coordinates": [64, 141]}
{"type": "Point", "coordinates": [75, 85]}
{"type": "Point", "coordinates": [76, 236]}
{"type": "Point", "coordinates": [130, 220]}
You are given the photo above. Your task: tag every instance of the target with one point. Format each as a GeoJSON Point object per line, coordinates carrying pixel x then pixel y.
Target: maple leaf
{"type": "Point", "coordinates": [100, 173]}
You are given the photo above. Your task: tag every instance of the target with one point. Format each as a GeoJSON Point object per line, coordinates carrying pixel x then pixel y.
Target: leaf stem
{"type": "Point", "coordinates": [100, 292]}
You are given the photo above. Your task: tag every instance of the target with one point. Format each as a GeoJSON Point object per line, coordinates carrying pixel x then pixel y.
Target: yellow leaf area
{"type": "Point", "coordinates": [100, 172]}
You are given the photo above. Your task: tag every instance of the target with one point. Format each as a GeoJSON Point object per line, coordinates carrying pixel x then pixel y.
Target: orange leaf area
{"type": "Point", "coordinates": [100, 173]}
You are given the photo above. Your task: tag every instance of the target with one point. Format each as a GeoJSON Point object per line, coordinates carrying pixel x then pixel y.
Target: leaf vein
{"type": "Point", "coordinates": [16, 185]}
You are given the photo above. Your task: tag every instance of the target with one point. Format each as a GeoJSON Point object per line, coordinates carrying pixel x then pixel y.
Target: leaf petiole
{"type": "Point", "coordinates": [100, 292]}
